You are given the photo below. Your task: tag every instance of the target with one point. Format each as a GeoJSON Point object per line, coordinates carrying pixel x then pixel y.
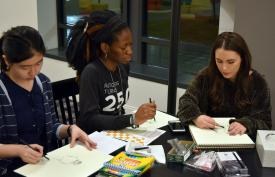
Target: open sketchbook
{"type": "Point", "coordinates": [66, 161]}
{"type": "Point", "coordinates": [219, 138]}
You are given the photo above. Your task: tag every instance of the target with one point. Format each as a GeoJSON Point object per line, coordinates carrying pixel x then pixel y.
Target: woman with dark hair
{"type": "Point", "coordinates": [27, 113]}
{"type": "Point", "coordinates": [228, 87]}
{"type": "Point", "coordinates": [100, 49]}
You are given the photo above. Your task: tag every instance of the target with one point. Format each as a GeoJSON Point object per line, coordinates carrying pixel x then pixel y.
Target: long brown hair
{"type": "Point", "coordinates": [234, 42]}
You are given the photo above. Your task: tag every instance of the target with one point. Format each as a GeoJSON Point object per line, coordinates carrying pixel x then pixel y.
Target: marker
{"type": "Point", "coordinates": [150, 101]}
{"type": "Point", "coordinates": [27, 144]}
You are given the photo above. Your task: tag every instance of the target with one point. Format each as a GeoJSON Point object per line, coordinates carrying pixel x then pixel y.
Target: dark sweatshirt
{"type": "Point", "coordinates": [196, 101]}
{"type": "Point", "coordinates": [102, 96]}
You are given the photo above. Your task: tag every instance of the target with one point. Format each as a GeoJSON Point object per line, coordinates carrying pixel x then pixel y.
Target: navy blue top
{"type": "Point", "coordinates": [9, 117]}
{"type": "Point", "coordinates": [29, 110]}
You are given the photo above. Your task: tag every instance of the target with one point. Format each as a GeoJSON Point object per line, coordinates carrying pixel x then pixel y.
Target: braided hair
{"type": "Point", "coordinates": [87, 35]}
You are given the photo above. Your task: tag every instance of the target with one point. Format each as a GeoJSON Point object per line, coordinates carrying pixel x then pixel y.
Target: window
{"type": "Point", "coordinates": [151, 24]}
{"type": "Point", "coordinates": [198, 30]}
{"type": "Point", "coordinates": [70, 11]}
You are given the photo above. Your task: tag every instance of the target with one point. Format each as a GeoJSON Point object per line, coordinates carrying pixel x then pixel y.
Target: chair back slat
{"type": "Point", "coordinates": [76, 110]}
{"type": "Point", "coordinates": [69, 111]}
{"type": "Point", "coordinates": [65, 101]}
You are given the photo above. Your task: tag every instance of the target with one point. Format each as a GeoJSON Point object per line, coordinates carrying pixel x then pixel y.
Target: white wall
{"type": "Point", "coordinates": [227, 15]}
{"type": "Point", "coordinates": [17, 12]}
{"type": "Point", "coordinates": [257, 25]}
{"type": "Point", "coordinates": [57, 70]}
{"type": "Point", "coordinates": [142, 90]}
{"type": "Point", "coordinates": [47, 22]}
{"type": "Point", "coordinates": [254, 20]}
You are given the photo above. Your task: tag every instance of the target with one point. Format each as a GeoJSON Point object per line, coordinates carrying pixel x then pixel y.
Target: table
{"type": "Point", "coordinates": [249, 156]}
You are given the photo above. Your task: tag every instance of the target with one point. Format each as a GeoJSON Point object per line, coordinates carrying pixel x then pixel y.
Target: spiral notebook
{"type": "Point", "coordinates": [219, 138]}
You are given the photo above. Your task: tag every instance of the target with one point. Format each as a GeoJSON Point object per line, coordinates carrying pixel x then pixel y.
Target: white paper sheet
{"type": "Point", "coordinates": [155, 150]}
{"type": "Point", "coordinates": [66, 161]}
{"type": "Point", "coordinates": [105, 143]}
{"type": "Point", "coordinates": [161, 120]}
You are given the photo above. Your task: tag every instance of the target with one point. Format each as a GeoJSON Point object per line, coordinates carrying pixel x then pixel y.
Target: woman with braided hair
{"type": "Point", "coordinates": [100, 49]}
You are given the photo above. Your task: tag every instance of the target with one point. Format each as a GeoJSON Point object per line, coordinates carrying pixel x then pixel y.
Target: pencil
{"type": "Point", "coordinates": [150, 101]}
{"type": "Point", "coordinates": [27, 144]}
{"type": "Point", "coordinates": [218, 125]}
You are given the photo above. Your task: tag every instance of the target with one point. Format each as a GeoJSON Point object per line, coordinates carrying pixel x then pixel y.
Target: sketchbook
{"type": "Point", "coordinates": [66, 161]}
{"type": "Point", "coordinates": [219, 138]}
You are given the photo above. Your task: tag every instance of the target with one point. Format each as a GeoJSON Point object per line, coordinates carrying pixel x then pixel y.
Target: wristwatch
{"type": "Point", "coordinates": [132, 121]}
{"type": "Point", "coordinates": [69, 131]}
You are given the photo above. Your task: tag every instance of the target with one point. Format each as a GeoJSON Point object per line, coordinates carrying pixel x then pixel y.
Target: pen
{"type": "Point", "coordinates": [150, 101]}
{"type": "Point", "coordinates": [141, 148]}
{"type": "Point", "coordinates": [27, 144]}
{"type": "Point", "coordinates": [239, 161]}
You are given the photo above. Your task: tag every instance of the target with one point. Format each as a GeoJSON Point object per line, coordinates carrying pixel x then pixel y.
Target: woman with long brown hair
{"type": "Point", "coordinates": [228, 87]}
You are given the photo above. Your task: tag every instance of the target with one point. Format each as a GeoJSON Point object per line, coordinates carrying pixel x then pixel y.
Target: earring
{"type": "Point", "coordinates": [106, 55]}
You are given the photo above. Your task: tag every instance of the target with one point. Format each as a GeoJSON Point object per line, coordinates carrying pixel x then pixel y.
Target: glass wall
{"type": "Point", "coordinates": [150, 21]}
{"type": "Point", "coordinates": [71, 11]}
{"type": "Point", "coordinates": [198, 30]}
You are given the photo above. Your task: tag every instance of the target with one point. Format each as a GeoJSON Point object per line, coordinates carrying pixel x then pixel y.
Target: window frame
{"type": "Point", "coordinates": [134, 12]}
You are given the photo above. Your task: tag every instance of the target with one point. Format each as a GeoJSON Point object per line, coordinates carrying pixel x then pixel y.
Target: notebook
{"type": "Point", "coordinates": [219, 138]}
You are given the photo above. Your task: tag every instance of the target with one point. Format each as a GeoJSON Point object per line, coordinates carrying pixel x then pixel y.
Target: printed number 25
{"type": "Point", "coordinates": [119, 101]}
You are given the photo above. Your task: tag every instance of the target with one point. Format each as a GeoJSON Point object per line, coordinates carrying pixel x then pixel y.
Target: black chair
{"type": "Point", "coordinates": [65, 94]}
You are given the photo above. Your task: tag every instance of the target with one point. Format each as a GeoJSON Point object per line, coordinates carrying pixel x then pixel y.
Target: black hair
{"type": "Point", "coordinates": [20, 43]}
{"type": "Point", "coordinates": [87, 35]}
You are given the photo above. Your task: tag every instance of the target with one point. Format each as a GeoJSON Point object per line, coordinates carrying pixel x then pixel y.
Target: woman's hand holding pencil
{"type": "Point", "coordinates": [145, 112]}
{"type": "Point", "coordinates": [30, 153]}
{"type": "Point", "coordinates": [150, 101]}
